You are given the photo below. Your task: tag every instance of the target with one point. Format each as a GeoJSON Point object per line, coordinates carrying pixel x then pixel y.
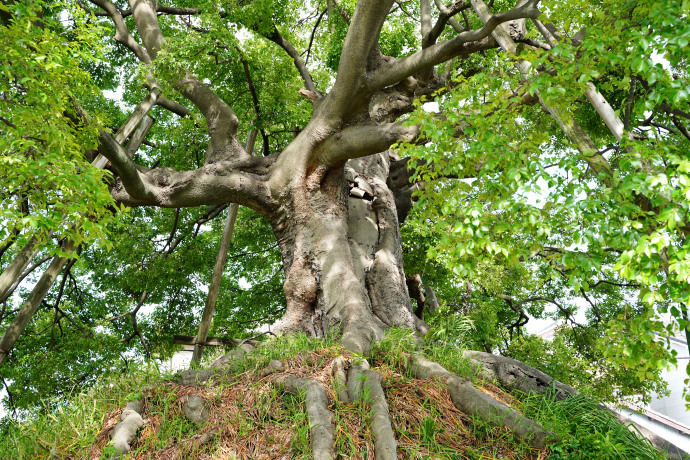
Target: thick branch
{"type": "Point", "coordinates": [125, 167]}
{"type": "Point", "coordinates": [146, 19]}
{"type": "Point", "coordinates": [682, 128]}
{"type": "Point", "coordinates": [448, 11]}
{"type": "Point", "coordinates": [217, 183]}
{"type": "Point", "coordinates": [464, 43]}
{"type": "Point", "coordinates": [670, 110]}
{"type": "Point", "coordinates": [446, 17]}
{"type": "Point", "coordinates": [361, 37]}
{"type": "Point", "coordinates": [425, 16]}
{"type": "Point", "coordinates": [360, 141]}
{"type": "Point", "coordinates": [588, 150]}
{"type": "Point", "coordinates": [173, 106]}
{"type": "Point", "coordinates": [162, 9]}
{"type": "Point", "coordinates": [221, 120]}
{"type": "Point", "coordinates": [122, 34]}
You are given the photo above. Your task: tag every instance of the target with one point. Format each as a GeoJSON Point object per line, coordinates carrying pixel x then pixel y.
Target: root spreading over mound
{"type": "Point", "coordinates": [322, 404]}
{"type": "Point", "coordinates": [327, 404]}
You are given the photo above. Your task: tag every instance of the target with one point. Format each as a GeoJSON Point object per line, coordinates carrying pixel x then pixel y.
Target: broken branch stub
{"type": "Point", "coordinates": [126, 429]}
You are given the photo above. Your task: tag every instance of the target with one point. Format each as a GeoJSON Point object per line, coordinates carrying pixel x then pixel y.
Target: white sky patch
{"type": "Point", "coordinates": [3, 395]}
{"type": "Point", "coordinates": [431, 107]}
{"type": "Point", "coordinates": [116, 96]}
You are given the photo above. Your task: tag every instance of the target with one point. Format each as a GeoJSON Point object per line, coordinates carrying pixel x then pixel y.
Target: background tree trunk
{"type": "Point", "coordinates": [26, 312]}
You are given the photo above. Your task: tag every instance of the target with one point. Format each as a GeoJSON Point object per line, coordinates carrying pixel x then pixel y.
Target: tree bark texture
{"type": "Point", "coordinates": [342, 255]}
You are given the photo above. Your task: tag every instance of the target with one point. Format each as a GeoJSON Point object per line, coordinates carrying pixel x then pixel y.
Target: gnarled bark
{"type": "Point", "coordinates": [516, 375]}
{"type": "Point", "coordinates": [342, 254]}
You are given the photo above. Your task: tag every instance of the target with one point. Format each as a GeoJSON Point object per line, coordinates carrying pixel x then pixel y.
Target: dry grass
{"type": "Point", "coordinates": [450, 434]}
{"type": "Point", "coordinates": [251, 419]}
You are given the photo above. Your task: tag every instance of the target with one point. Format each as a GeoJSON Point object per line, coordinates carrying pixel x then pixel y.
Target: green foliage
{"type": "Point", "coordinates": [47, 183]}
{"type": "Point", "coordinates": [448, 328]}
{"type": "Point", "coordinates": [531, 221]}
{"type": "Point", "coordinates": [586, 430]}
{"type": "Point", "coordinates": [594, 373]}
{"type": "Point", "coordinates": [69, 426]}
{"type": "Point", "coordinates": [396, 342]}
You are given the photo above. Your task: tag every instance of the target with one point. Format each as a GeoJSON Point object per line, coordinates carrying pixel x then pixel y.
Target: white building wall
{"type": "Point", "coordinates": [674, 405]}
{"type": "Point", "coordinates": [673, 436]}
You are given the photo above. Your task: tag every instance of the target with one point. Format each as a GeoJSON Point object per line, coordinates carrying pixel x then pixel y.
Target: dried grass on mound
{"type": "Point", "coordinates": [251, 419]}
{"type": "Point", "coordinates": [429, 426]}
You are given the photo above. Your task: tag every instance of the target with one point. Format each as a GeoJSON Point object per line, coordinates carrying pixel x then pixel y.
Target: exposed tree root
{"type": "Point", "coordinates": [320, 418]}
{"type": "Point", "coordinates": [273, 366]}
{"type": "Point", "coordinates": [379, 421]}
{"type": "Point", "coordinates": [125, 431]}
{"type": "Point", "coordinates": [364, 383]}
{"type": "Point", "coordinates": [470, 400]}
{"type": "Point", "coordinates": [355, 378]}
{"type": "Point", "coordinates": [515, 375]}
{"type": "Point", "coordinates": [204, 438]}
{"type": "Point", "coordinates": [247, 419]}
{"type": "Point", "coordinates": [340, 380]}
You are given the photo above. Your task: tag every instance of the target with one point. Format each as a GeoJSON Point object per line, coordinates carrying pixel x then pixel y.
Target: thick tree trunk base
{"type": "Point", "coordinates": [341, 247]}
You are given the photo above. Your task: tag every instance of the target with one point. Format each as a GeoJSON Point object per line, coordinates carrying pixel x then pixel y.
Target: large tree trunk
{"type": "Point", "coordinates": [341, 248]}
{"type": "Point", "coordinates": [341, 251]}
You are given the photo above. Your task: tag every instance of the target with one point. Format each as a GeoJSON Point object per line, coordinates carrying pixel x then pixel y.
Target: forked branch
{"type": "Point", "coordinates": [221, 119]}
{"type": "Point", "coordinates": [464, 43]}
